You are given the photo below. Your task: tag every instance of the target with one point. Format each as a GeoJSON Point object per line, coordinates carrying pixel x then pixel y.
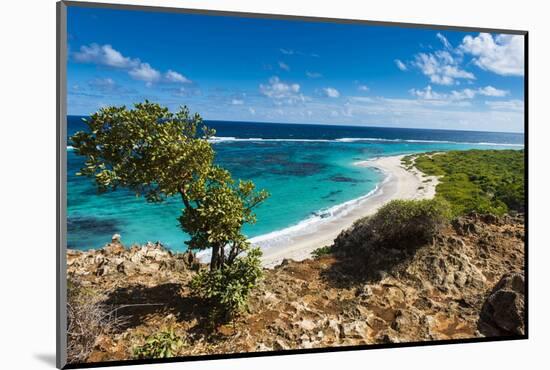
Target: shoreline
{"type": "Point", "coordinates": [399, 183]}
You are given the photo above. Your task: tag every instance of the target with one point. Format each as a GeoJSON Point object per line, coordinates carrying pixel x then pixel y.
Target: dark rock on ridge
{"type": "Point", "coordinates": [504, 310]}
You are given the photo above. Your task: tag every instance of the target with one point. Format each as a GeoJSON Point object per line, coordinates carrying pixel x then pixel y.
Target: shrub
{"type": "Point", "coordinates": [228, 288]}
{"type": "Point", "coordinates": [160, 345]}
{"type": "Point", "coordinates": [400, 224]}
{"type": "Point", "coordinates": [323, 251]}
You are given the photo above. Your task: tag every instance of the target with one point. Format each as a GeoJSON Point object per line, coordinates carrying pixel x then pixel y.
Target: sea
{"type": "Point", "coordinates": [308, 170]}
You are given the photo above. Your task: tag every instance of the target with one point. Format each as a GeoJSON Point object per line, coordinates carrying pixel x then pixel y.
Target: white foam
{"type": "Point", "coordinates": [224, 139]}
{"type": "Point", "coordinates": [221, 139]}
{"type": "Point", "coordinates": [307, 226]}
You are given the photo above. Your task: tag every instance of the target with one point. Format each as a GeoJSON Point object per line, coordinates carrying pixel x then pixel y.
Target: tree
{"type": "Point", "coordinates": [158, 154]}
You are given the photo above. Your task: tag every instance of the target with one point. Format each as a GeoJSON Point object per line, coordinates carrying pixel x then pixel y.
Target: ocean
{"type": "Point", "coordinates": [308, 170]}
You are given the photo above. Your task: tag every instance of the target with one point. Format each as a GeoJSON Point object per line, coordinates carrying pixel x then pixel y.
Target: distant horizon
{"type": "Point", "coordinates": [237, 68]}
{"type": "Point", "coordinates": [341, 125]}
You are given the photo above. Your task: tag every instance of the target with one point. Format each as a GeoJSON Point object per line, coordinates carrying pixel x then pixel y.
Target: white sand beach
{"type": "Point", "coordinates": [400, 183]}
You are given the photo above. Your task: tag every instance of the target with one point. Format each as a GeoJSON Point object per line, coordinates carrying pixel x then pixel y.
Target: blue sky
{"type": "Point", "coordinates": [229, 68]}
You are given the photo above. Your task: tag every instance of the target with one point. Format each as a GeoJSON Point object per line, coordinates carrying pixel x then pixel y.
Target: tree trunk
{"type": "Point", "coordinates": [221, 259]}
{"type": "Point", "coordinates": [214, 261]}
{"type": "Point", "coordinates": [233, 253]}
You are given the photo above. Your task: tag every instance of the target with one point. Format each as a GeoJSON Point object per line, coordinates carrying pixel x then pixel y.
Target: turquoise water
{"type": "Point", "coordinates": [303, 176]}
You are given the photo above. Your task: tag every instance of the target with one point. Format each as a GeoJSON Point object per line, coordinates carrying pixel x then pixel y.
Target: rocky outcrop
{"type": "Point", "coordinates": [116, 261]}
{"type": "Point", "coordinates": [448, 288]}
{"type": "Point", "coordinates": [503, 312]}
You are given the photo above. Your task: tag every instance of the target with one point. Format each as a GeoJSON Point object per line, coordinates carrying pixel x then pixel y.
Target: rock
{"type": "Point", "coordinates": [404, 320]}
{"type": "Point", "coordinates": [115, 259]}
{"type": "Point", "coordinates": [116, 238]}
{"type": "Point", "coordinates": [307, 325]}
{"type": "Point", "coordinates": [456, 242]}
{"type": "Point", "coordinates": [504, 310]}
{"type": "Point", "coordinates": [490, 219]}
{"type": "Point", "coordinates": [226, 330]}
{"type": "Point", "coordinates": [375, 322]}
{"type": "Point", "coordinates": [465, 226]}
{"type": "Point", "coordinates": [386, 336]}
{"type": "Point", "coordinates": [280, 345]}
{"type": "Point", "coordinates": [127, 267]}
{"type": "Point", "coordinates": [263, 348]}
{"type": "Point", "coordinates": [332, 329]}
{"type": "Point", "coordinates": [355, 330]}
{"type": "Point", "coordinates": [167, 265]}
{"type": "Point", "coordinates": [114, 249]}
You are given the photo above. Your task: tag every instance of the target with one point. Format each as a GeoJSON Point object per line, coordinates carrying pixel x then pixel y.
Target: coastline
{"type": "Point", "coordinates": [399, 183]}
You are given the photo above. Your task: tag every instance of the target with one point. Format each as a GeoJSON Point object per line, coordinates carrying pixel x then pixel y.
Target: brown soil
{"type": "Point", "coordinates": [436, 294]}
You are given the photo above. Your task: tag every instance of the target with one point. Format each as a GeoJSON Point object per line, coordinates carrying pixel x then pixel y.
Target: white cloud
{"type": "Point", "coordinates": [511, 105]}
{"type": "Point", "coordinates": [361, 99]}
{"type": "Point", "coordinates": [144, 72]}
{"type": "Point", "coordinates": [441, 67]}
{"type": "Point", "coordinates": [173, 76]}
{"type": "Point", "coordinates": [379, 111]}
{"type": "Point", "coordinates": [284, 66]}
{"type": "Point", "coordinates": [313, 74]}
{"type": "Point", "coordinates": [503, 55]}
{"type": "Point", "coordinates": [331, 92]}
{"type": "Point", "coordinates": [106, 55]}
{"type": "Point", "coordinates": [444, 40]}
{"type": "Point", "coordinates": [103, 55]}
{"type": "Point", "coordinates": [456, 95]}
{"type": "Point", "coordinates": [491, 91]}
{"type": "Point", "coordinates": [251, 110]}
{"type": "Point", "coordinates": [297, 52]}
{"type": "Point", "coordinates": [463, 94]}
{"type": "Point", "coordinates": [400, 65]}
{"type": "Point", "coordinates": [237, 102]}
{"type": "Point", "coordinates": [427, 93]}
{"type": "Point", "coordinates": [282, 92]}
{"type": "Point", "coordinates": [363, 88]}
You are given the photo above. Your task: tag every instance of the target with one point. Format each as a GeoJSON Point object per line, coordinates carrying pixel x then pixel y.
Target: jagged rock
{"type": "Point", "coordinates": [280, 345]}
{"type": "Point", "coordinates": [354, 330]}
{"type": "Point", "coordinates": [114, 249]}
{"type": "Point", "coordinates": [387, 336]}
{"type": "Point", "coordinates": [114, 258]}
{"type": "Point", "coordinates": [503, 311]}
{"type": "Point", "coordinates": [116, 238]}
{"type": "Point", "coordinates": [127, 267]}
{"type": "Point", "coordinates": [307, 325]}
{"type": "Point", "coordinates": [465, 226]}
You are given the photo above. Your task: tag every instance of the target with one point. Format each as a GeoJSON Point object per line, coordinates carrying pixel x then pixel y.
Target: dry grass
{"type": "Point", "coordinates": [87, 319]}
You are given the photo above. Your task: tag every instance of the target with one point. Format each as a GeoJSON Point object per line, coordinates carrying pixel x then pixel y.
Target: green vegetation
{"type": "Point", "coordinates": [403, 222]}
{"type": "Point", "coordinates": [160, 154]}
{"type": "Point", "coordinates": [322, 251]}
{"type": "Point", "coordinates": [398, 225]}
{"type": "Point", "coordinates": [160, 345]}
{"type": "Point", "coordinates": [227, 289]}
{"type": "Point", "coordinates": [484, 181]}
{"type": "Point", "coordinates": [408, 161]}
